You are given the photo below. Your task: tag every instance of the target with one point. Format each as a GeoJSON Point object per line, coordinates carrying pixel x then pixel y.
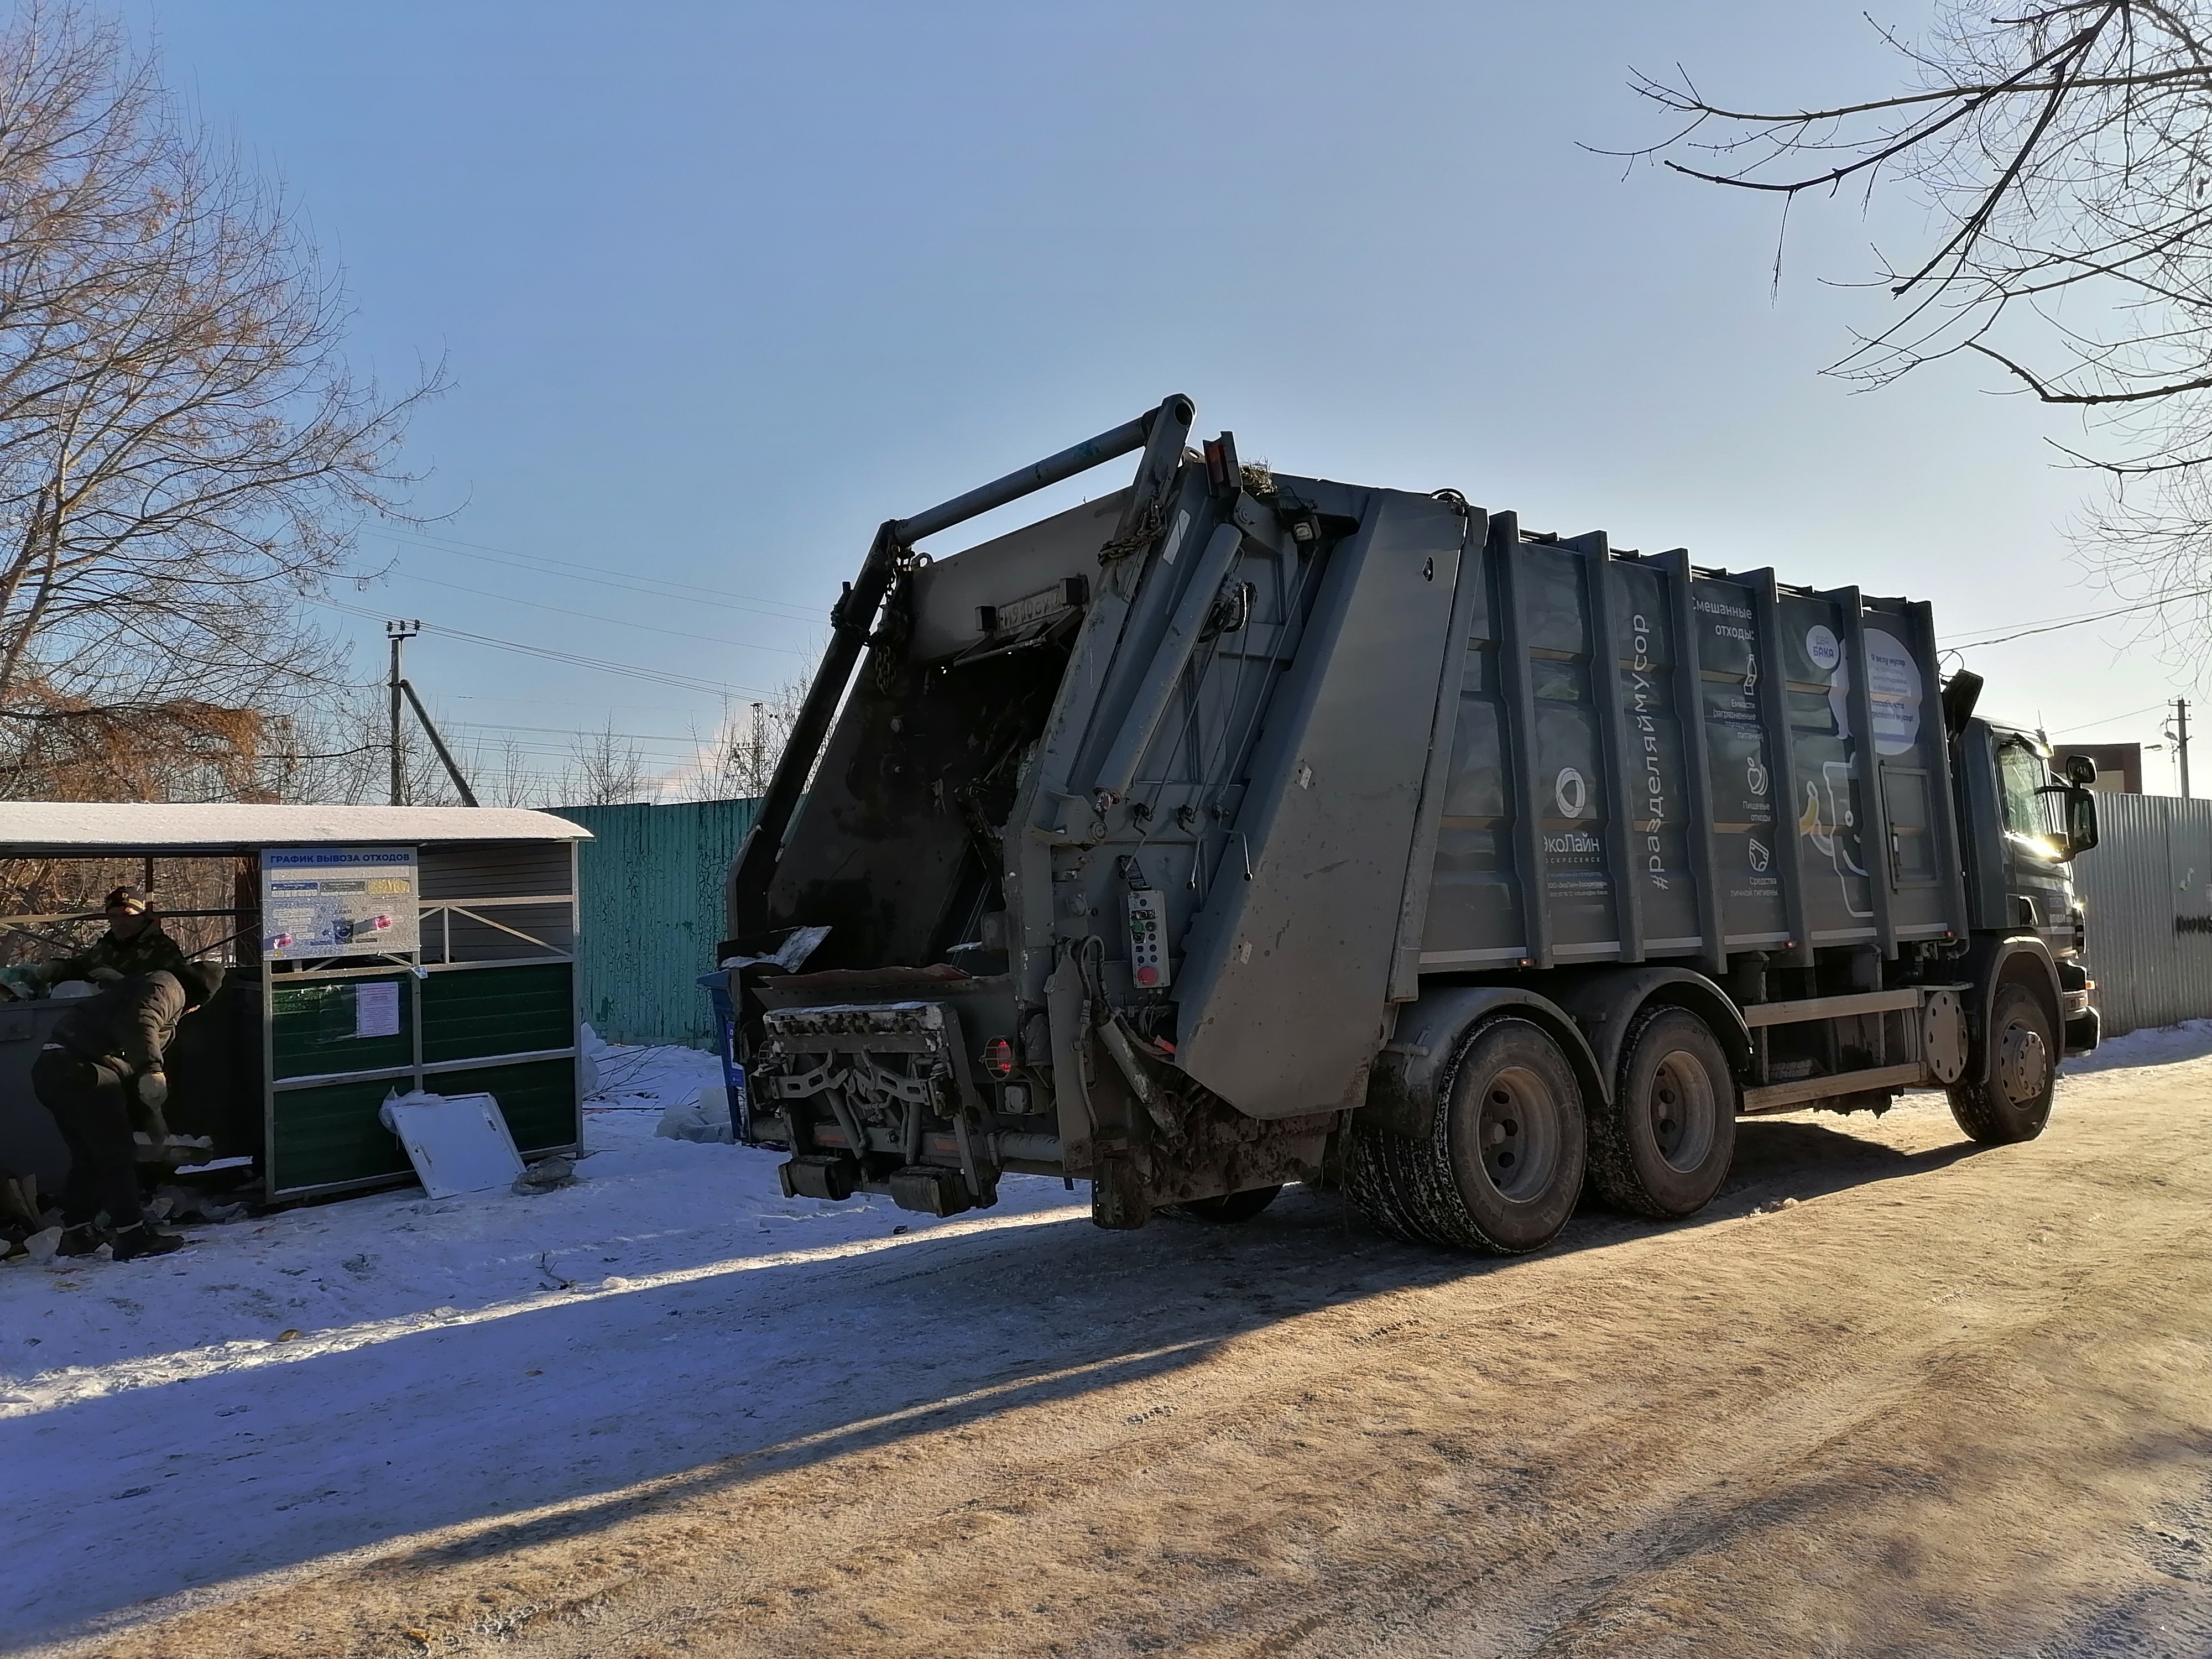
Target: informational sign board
{"type": "Point", "coordinates": [318, 901]}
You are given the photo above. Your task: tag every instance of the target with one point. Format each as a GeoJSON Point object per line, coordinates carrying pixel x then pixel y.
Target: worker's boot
{"type": "Point", "coordinates": [131, 1242]}
{"type": "Point", "coordinates": [81, 1239]}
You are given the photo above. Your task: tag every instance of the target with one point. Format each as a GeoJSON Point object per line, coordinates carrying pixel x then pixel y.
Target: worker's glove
{"type": "Point", "coordinates": [154, 1090]}
{"type": "Point", "coordinates": [104, 975]}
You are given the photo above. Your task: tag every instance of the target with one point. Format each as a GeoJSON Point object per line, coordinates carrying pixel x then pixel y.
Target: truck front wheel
{"type": "Point", "coordinates": [2013, 1103]}
{"type": "Point", "coordinates": [1663, 1146]}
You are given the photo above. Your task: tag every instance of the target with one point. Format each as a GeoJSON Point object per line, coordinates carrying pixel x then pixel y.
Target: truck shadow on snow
{"type": "Point", "coordinates": [701, 1387]}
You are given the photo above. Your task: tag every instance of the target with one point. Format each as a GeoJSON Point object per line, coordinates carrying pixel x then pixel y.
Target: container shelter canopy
{"type": "Point", "coordinates": [91, 829]}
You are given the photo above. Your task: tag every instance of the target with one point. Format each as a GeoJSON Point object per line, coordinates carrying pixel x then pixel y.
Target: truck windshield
{"type": "Point", "coordinates": [2020, 774]}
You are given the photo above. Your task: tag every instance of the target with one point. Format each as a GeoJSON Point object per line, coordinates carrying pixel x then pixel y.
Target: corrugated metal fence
{"type": "Point", "coordinates": [651, 882]}
{"type": "Point", "coordinates": [2148, 891]}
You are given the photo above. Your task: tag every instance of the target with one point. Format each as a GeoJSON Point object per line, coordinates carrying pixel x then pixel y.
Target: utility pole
{"type": "Point", "coordinates": [2181, 741]}
{"type": "Point", "coordinates": [398, 633]}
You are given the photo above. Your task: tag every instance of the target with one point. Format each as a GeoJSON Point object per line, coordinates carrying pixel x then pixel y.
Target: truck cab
{"type": "Point", "coordinates": [2025, 826]}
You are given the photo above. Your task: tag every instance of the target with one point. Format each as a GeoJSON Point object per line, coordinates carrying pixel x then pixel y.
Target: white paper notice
{"type": "Point", "coordinates": [376, 1009]}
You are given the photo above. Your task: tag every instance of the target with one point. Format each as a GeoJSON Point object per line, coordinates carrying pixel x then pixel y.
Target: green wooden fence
{"type": "Point", "coordinates": [651, 882]}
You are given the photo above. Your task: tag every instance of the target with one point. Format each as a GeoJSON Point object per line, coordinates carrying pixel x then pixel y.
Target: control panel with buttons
{"type": "Point", "coordinates": [1148, 939]}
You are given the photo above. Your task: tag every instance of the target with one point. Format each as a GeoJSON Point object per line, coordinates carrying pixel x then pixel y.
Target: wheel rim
{"type": "Point", "coordinates": [2024, 1064]}
{"type": "Point", "coordinates": [1519, 1133]}
{"type": "Point", "coordinates": [1685, 1112]}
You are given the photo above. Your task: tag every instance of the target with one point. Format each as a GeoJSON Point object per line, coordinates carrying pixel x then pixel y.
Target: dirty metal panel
{"type": "Point", "coordinates": [1007, 572]}
{"type": "Point", "coordinates": [1746, 853]}
{"type": "Point", "coordinates": [1152, 588]}
{"type": "Point", "coordinates": [1515, 603]}
{"type": "Point", "coordinates": [895, 846]}
{"type": "Point", "coordinates": [1474, 911]}
{"type": "Point", "coordinates": [1474, 900]}
{"type": "Point", "coordinates": [1911, 765]}
{"type": "Point", "coordinates": [1838, 903]}
{"type": "Point", "coordinates": [1643, 655]}
{"type": "Point", "coordinates": [1616, 782]}
{"type": "Point", "coordinates": [1468, 592]}
{"type": "Point", "coordinates": [1285, 982]}
{"type": "Point", "coordinates": [1571, 804]}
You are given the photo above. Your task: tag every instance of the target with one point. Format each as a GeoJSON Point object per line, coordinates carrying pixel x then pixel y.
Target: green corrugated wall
{"type": "Point", "coordinates": [650, 883]}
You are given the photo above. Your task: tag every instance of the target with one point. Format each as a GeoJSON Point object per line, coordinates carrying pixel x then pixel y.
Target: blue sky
{"type": "Point", "coordinates": [721, 286]}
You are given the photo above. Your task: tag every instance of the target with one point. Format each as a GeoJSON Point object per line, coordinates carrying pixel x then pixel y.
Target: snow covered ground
{"type": "Point", "coordinates": [2161, 1045]}
{"type": "Point", "coordinates": [189, 1362]}
{"type": "Point", "coordinates": [338, 1375]}
{"type": "Point", "coordinates": [644, 1211]}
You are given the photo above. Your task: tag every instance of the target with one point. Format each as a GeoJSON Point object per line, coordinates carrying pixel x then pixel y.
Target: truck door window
{"type": "Point", "coordinates": [2021, 773]}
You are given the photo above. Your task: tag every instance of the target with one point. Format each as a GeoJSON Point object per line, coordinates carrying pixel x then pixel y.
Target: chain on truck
{"type": "Point", "coordinates": [1238, 828]}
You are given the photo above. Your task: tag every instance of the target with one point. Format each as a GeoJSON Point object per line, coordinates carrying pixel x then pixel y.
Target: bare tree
{"type": "Point", "coordinates": [336, 750]}
{"type": "Point", "coordinates": [2065, 149]}
{"type": "Point", "coordinates": [746, 746]}
{"type": "Point", "coordinates": [184, 454]}
{"type": "Point", "coordinates": [608, 770]}
{"type": "Point", "coordinates": [509, 780]}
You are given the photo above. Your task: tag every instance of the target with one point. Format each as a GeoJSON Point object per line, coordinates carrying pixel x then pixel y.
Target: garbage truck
{"type": "Point", "coordinates": [1235, 829]}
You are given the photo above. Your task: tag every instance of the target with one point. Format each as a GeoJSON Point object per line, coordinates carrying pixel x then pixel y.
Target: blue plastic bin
{"type": "Point", "coordinates": [717, 987]}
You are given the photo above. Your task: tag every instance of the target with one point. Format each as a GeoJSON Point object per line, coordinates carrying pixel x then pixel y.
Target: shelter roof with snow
{"type": "Point", "coordinates": [134, 827]}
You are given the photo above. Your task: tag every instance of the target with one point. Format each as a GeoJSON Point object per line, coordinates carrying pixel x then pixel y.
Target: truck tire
{"type": "Point", "coordinates": [1663, 1146]}
{"type": "Point", "coordinates": [1502, 1167]}
{"type": "Point", "coordinates": [2013, 1103]}
{"type": "Point", "coordinates": [1229, 1208]}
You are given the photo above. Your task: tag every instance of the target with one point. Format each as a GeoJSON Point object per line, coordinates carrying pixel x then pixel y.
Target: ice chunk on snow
{"type": "Point", "coordinates": [699, 1116]}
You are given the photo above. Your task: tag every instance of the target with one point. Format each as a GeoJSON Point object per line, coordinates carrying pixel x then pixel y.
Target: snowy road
{"type": "Point", "coordinates": [1947, 1401]}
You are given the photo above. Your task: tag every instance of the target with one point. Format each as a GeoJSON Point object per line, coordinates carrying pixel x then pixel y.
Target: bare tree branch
{"type": "Point", "coordinates": [184, 455]}
{"type": "Point", "coordinates": [2066, 152]}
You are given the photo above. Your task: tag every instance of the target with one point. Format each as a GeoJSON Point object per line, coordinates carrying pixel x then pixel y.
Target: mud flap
{"type": "Point", "coordinates": [1118, 1199]}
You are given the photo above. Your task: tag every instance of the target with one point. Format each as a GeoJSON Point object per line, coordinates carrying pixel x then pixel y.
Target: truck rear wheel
{"type": "Point", "coordinates": [1502, 1167]}
{"type": "Point", "coordinates": [2013, 1103]}
{"type": "Point", "coordinates": [1663, 1146]}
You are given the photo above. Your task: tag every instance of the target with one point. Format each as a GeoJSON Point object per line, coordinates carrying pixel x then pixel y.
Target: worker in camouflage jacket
{"type": "Point", "coordinates": [134, 944]}
{"type": "Point", "coordinates": [107, 1051]}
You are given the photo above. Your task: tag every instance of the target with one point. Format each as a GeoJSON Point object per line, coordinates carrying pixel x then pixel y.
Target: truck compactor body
{"type": "Point", "coordinates": [1236, 829]}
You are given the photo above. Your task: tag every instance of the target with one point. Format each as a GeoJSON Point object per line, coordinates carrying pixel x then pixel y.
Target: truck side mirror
{"type": "Point", "coordinates": [2081, 819]}
{"type": "Point", "coordinates": [2080, 770]}
{"type": "Point", "coordinates": [2071, 823]}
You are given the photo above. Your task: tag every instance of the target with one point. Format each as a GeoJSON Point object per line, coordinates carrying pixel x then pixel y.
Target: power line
{"type": "Point", "coordinates": [2053, 626]}
{"type": "Point", "coordinates": [619, 622]}
{"type": "Point", "coordinates": [780, 609]}
{"type": "Point", "coordinates": [2110, 720]}
{"type": "Point", "coordinates": [681, 681]}
{"type": "Point", "coordinates": [568, 731]}
{"type": "Point", "coordinates": [551, 702]}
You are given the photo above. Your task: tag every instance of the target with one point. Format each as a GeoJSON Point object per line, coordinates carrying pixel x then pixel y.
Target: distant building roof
{"type": "Point", "coordinates": [96, 827]}
{"type": "Point", "coordinates": [2119, 765]}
